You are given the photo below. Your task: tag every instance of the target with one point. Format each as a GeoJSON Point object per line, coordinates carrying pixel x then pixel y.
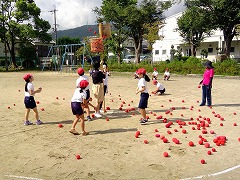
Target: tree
{"type": "Point", "coordinates": [193, 26]}
{"type": "Point", "coordinates": [67, 40]}
{"type": "Point", "coordinates": [151, 33]}
{"type": "Point", "coordinates": [147, 12]}
{"type": "Point", "coordinates": [22, 24]}
{"type": "Point", "coordinates": [225, 15]}
{"type": "Point", "coordinates": [129, 17]}
{"type": "Point", "coordinates": [115, 11]}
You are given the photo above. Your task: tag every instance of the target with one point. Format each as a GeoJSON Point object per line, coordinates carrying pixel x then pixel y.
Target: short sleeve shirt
{"type": "Point", "coordinates": [142, 82]}
{"type": "Point", "coordinates": [155, 73]}
{"type": "Point", "coordinates": [29, 87]}
{"type": "Point", "coordinates": [160, 86]}
{"type": "Point", "coordinates": [208, 74]}
{"type": "Point", "coordinates": [97, 77]}
{"type": "Point", "coordinates": [83, 77]}
{"type": "Point", "coordinates": [78, 96]}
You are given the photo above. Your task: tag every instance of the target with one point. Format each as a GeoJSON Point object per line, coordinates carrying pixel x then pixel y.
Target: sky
{"type": "Point", "coordinates": [76, 13]}
{"type": "Point", "coordinates": [70, 13]}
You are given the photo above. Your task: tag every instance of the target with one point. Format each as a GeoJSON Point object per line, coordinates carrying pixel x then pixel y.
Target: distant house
{"type": "Point", "coordinates": [171, 37]}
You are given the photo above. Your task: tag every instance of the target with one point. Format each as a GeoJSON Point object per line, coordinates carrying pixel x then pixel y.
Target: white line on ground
{"type": "Point", "coordinates": [23, 177]}
{"type": "Point", "coordinates": [214, 174]}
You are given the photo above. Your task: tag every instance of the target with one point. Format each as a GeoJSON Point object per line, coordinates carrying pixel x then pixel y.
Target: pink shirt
{"type": "Point", "coordinates": [208, 74]}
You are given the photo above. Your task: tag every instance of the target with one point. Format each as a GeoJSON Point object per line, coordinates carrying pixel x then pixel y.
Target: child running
{"type": "Point", "coordinates": [142, 88]}
{"type": "Point", "coordinates": [81, 77]}
{"type": "Point", "coordinates": [29, 99]}
{"type": "Point", "coordinates": [78, 101]}
{"type": "Point", "coordinates": [160, 89]}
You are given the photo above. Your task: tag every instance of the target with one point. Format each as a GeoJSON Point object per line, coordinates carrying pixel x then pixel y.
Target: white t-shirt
{"type": "Point", "coordinates": [105, 81]}
{"type": "Point", "coordinates": [160, 86]}
{"type": "Point", "coordinates": [142, 82]}
{"type": "Point", "coordinates": [155, 73]}
{"type": "Point", "coordinates": [77, 96]}
{"type": "Point", "coordinates": [80, 78]}
{"type": "Point", "coordinates": [29, 87]}
{"type": "Point", "coordinates": [167, 73]}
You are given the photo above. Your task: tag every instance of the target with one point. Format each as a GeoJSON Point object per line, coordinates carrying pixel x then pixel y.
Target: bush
{"type": "Point", "coordinates": [192, 65]}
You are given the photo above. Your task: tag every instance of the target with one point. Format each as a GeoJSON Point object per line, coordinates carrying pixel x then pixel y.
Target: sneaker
{"type": "Point", "coordinates": [98, 115]}
{"type": "Point", "coordinates": [38, 122]}
{"type": "Point", "coordinates": [26, 123]}
{"type": "Point", "coordinates": [202, 104]}
{"type": "Point", "coordinates": [73, 131]}
{"type": "Point", "coordinates": [142, 121]}
{"type": "Point", "coordinates": [89, 118]}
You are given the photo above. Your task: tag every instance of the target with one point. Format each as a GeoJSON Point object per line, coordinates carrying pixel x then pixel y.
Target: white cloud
{"type": "Point", "coordinates": [70, 13]}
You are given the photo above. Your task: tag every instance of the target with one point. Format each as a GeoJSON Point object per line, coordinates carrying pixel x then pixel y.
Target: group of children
{"type": "Point", "coordinates": [80, 101]}
{"type": "Point", "coordinates": [81, 97]}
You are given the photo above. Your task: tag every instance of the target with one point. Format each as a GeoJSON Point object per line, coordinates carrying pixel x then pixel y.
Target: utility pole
{"type": "Point", "coordinates": [55, 23]}
{"type": "Point", "coordinates": [5, 44]}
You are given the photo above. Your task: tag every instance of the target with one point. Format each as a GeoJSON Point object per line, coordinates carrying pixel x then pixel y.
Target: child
{"type": "Point", "coordinates": [207, 84]}
{"type": "Point", "coordinates": [142, 88]}
{"type": "Point", "coordinates": [154, 74]}
{"type": "Point", "coordinates": [81, 77]}
{"type": "Point", "coordinates": [97, 86]}
{"type": "Point", "coordinates": [160, 88]}
{"type": "Point", "coordinates": [78, 101]}
{"type": "Point", "coordinates": [105, 80]}
{"type": "Point", "coordinates": [29, 99]}
{"type": "Point", "coordinates": [166, 75]}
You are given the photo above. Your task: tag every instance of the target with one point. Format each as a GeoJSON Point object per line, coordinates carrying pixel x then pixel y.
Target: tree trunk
{"type": "Point", "coordinates": [228, 36]}
{"type": "Point", "coordinates": [119, 56]}
{"type": "Point", "coordinates": [194, 50]}
{"type": "Point", "coordinates": [12, 52]}
{"type": "Point", "coordinates": [138, 49]}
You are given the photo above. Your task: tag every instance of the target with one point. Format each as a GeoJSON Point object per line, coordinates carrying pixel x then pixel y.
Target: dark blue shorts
{"type": "Point", "coordinates": [76, 108]}
{"type": "Point", "coordinates": [29, 102]}
{"type": "Point", "coordinates": [143, 100]}
{"type": "Point", "coordinates": [161, 91]}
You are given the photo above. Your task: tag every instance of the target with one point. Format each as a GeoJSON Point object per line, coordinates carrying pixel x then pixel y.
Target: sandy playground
{"type": "Point", "coordinates": [111, 150]}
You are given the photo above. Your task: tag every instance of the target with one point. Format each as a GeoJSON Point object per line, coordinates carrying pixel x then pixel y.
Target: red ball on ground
{"type": "Point", "coordinates": [42, 109]}
{"type": "Point", "coordinates": [60, 125]}
{"type": "Point", "coordinates": [190, 143]}
{"type": "Point", "coordinates": [214, 150]}
{"type": "Point", "coordinates": [239, 139]}
{"type": "Point", "coordinates": [200, 142]}
{"type": "Point", "coordinates": [234, 124]}
{"type": "Point", "coordinates": [78, 156]}
{"type": "Point", "coordinates": [107, 119]}
{"type": "Point", "coordinates": [234, 113]}
{"type": "Point", "coordinates": [37, 102]}
{"type": "Point", "coordinates": [209, 152]}
{"type": "Point", "coordinates": [165, 140]}
{"type": "Point", "coordinates": [156, 130]}
{"type": "Point", "coordinates": [157, 135]}
{"type": "Point", "coordinates": [93, 116]}
{"type": "Point", "coordinates": [221, 124]}
{"type": "Point", "coordinates": [56, 97]}
{"type": "Point", "coordinates": [9, 107]}
{"type": "Point", "coordinates": [184, 131]}
{"type": "Point", "coordinates": [203, 161]}
{"type": "Point", "coordinates": [207, 145]}
{"type": "Point", "coordinates": [199, 86]}
{"type": "Point", "coordinates": [165, 154]}
{"type": "Point", "coordinates": [145, 141]}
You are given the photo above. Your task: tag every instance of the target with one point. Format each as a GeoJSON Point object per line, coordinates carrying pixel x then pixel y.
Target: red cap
{"type": "Point", "coordinates": [154, 82]}
{"type": "Point", "coordinates": [154, 69]}
{"type": "Point", "coordinates": [141, 71]}
{"type": "Point", "coordinates": [83, 84]}
{"type": "Point", "coordinates": [27, 76]}
{"type": "Point", "coordinates": [80, 71]}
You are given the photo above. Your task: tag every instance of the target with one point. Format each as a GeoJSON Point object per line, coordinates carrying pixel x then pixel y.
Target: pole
{"type": "Point", "coordinates": [5, 44]}
{"type": "Point", "coordinates": [55, 23]}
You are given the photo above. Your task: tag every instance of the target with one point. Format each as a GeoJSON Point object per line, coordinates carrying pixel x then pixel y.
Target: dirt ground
{"type": "Point", "coordinates": [111, 150]}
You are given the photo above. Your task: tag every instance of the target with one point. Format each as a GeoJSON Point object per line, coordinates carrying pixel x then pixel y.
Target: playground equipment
{"type": "Point", "coordinates": [63, 57]}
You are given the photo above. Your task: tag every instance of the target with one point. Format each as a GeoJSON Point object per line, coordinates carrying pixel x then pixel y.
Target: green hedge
{"type": "Point", "coordinates": [190, 66]}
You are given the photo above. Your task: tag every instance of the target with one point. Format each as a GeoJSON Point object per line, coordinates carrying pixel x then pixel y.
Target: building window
{"type": "Point", "coordinates": [164, 52]}
{"type": "Point", "coordinates": [156, 52]}
{"type": "Point", "coordinates": [232, 49]}
{"type": "Point", "coordinates": [210, 50]}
